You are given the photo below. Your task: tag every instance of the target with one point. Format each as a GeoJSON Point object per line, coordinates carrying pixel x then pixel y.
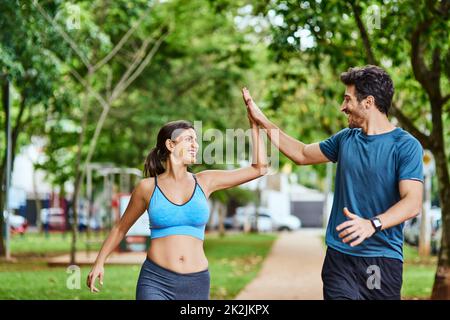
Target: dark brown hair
{"type": "Point", "coordinates": [371, 81]}
{"type": "Point", "coordinates": [154, 161]}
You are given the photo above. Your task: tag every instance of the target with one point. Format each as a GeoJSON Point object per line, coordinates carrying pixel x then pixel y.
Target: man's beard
{"type": "Point", "coordinates": [355, 115]}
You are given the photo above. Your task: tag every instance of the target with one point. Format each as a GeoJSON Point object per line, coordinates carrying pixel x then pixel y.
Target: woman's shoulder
{"type": "Point", "coordinates": [203, 176]}
{"type": "Point", "coordinates": [144, 188]}
{"type": "Point", "coordinates": [146, 185]}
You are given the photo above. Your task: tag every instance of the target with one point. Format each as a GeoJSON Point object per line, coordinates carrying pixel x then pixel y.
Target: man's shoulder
{"type": "Point", "coordinates": [347, 133]}
{"type": "Point", "coordinates": [405, 139]}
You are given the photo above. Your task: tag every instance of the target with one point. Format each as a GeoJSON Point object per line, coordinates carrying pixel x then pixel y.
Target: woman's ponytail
{"type": "Point", "coordinates": [153, 165]}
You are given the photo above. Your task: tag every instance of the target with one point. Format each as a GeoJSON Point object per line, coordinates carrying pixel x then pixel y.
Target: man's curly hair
{"type": "Point", "coordinates": [371, 81]}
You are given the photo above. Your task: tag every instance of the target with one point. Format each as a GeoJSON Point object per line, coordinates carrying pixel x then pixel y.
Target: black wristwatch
{"type": "Point", "coordinates": [376, 223]}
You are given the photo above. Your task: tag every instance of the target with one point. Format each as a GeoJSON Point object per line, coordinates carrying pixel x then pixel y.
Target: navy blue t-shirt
{"type": "Point", "coordinates": [369, 169]}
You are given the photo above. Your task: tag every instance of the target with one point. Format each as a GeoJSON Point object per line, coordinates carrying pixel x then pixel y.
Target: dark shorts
{"type": "Point", "coordinates": [158, 283]}
{"type": "Point", "coordinates": [360, 278]}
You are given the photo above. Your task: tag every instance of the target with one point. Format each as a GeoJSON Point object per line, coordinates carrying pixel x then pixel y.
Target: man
{"type": "Point", "coordinates": [379, 185]}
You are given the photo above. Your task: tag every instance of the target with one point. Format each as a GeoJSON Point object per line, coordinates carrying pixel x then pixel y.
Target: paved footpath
{"type": "Point", "coordinates": [291, 270]}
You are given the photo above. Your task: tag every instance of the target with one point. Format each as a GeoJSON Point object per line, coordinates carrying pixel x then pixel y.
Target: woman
{"type": "Point", "coordinates": [176, 201]}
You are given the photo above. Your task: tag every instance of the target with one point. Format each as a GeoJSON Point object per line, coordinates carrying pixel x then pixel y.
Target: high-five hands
{"type": "Point", "coordinates": [356, 230]}
{"type": "Point", "coordinates": [253, 110]}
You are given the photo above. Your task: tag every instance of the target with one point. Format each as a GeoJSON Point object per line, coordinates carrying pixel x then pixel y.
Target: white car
{"type": "Point", "coordinates": [17, 223]}
{"type": "Point", "coordinates": [267, 221]}
{"type": "Point", "coordinates": [411, 231]}
{"type": "Point", "coordinates": [287, 223]}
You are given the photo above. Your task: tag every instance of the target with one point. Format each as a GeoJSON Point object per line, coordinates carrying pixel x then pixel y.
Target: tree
{"type": "Point", "coordinates": [410, 41]}
{"type": "Point", "coordinates": [193, 76]}
{"type": "Point", "coordinates": [26, 60]}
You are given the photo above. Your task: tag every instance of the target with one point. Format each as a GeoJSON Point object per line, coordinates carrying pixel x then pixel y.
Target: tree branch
{"type": "Point", "coordinates": [121, 87]}
{"type": "Point", "coordinates": [66, 37]}
{"type": "Point", "coordinates": [116, 93]}
{"type": "Point", "coordinates": [138, 57]}
{"type": "Point", "coordinates": [122, 41]}
{"type": "Point", "coordinates": [404, 120]}
{"type": "Point", "coordinates": [410, 127]}
{"type": "Point", "coordinates": [426, 77]}
{"type": "Point", "coordinates": [445, 99]}
{"type": "Point", "coordinates": [363, 32]}
{"type": "Point", "coordinates": [18, 126]}
{"type": "Point", "coordinates": [89, 88]}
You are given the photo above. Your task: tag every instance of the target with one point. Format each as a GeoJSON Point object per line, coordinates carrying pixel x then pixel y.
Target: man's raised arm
{"type": "Point", "coordinates": [297, 151]}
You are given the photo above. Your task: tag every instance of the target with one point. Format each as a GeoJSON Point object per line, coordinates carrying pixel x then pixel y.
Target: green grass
{"type": "Point", "coordinates": [418, 274]}
{"type": "Point", "coordinates": [233, 262]}
{"type": "Point", "coordinates": [37, 244]}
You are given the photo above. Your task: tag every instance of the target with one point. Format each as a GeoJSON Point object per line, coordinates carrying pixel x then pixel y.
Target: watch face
{"type": "Point", "coordinates": [377, 223]}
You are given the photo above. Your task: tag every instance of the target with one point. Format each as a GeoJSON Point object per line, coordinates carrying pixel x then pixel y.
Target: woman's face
{"type": "Point", "coordinates": [185, 146]}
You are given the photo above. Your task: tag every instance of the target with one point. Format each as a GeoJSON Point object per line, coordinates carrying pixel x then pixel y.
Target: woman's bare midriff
{"type": "Point", "coordinates": [178, 253]}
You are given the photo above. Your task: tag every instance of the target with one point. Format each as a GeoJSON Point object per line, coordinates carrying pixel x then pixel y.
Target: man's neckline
{"type": "Point", "coordinates": [374, 136]}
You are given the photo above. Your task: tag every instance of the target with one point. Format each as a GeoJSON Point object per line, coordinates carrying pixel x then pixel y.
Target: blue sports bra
{"type": "Point", "coordinates": [168, 218]}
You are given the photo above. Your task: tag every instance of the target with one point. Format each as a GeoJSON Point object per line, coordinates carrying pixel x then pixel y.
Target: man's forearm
{"type": "Point", "coordinates": [405, 209]}
{"type": "Point", "coordinates": [289, 146]}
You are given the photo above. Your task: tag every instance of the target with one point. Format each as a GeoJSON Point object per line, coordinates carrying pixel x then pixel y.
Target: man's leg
{"type": "Point", "coordinates": [379, 278]}
{"type": "Point", "coordinates": [338, 277]}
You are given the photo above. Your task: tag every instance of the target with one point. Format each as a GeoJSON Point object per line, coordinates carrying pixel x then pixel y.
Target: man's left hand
{"type": "Point", "coordinates": [355, 230]}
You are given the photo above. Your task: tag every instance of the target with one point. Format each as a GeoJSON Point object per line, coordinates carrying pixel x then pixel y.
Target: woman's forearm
{"type": "Point", "coordinates": [259, 156]}
{"type": "Point", "coordinates": [112, 241]}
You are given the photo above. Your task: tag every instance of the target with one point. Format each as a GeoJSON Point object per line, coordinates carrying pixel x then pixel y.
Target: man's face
{"type": "Point", "coordinates": [356, 113]}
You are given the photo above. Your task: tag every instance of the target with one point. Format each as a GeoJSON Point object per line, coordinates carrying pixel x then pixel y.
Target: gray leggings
{"type": "Point", "coordinates": [158, 283]}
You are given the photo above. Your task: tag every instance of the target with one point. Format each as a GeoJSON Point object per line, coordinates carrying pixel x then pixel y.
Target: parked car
{"type": "Point", "coordinates": [17, 224]}
{"type": "Point", "coordinates": [411, 230]}
{"type": "Point", "coordinates": [436, 236]}
{"type": "Point", "coordinates": [287, 223]}
{"type": "Point", "coordinates": [267, 221]}
{"type": "Point", "coordinates": [228, 223]}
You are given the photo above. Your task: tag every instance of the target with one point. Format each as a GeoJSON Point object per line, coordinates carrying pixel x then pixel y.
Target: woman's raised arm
{"type": "Point", "coordinates": [213, 180]}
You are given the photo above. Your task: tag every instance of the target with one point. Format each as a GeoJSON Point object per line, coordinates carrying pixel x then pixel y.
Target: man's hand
{"type": "Point", "coordinates": [252, 109]}
{"type": "Point", "coordinates": [356, 230]}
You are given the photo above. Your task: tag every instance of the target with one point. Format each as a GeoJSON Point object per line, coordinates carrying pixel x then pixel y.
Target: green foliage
{"type": "Point", "coordinates": [292, 68]}
{"type": "Point", "coordinates": [196, 75]}
{"type": "Point", "coordinates": [312, 42]}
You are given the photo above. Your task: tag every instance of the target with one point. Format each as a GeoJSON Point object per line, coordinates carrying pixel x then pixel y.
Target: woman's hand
{"type": "Point", "coordinates": [253, 110]}
{"type": "Point", "coordinates": [96, 272]}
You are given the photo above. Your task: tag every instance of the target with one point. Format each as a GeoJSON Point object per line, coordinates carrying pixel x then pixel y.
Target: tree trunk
{"type": "Point", "coordinates": [441, 287]}
{"type": "Point", "coordinates": [74, 225]}
{"type": "Point", "coordinates": [222, 213]}
{"type": "Point", "coordinates": [2, 182]}
{"type": "Point", "coordinates": [78, 177]}
{"type": "Point", "coordinates": [14, 135]}
{"type": "Point", "coordinates": [37, 201]}
{"type": "Point", "coordinates": [2, 222]}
